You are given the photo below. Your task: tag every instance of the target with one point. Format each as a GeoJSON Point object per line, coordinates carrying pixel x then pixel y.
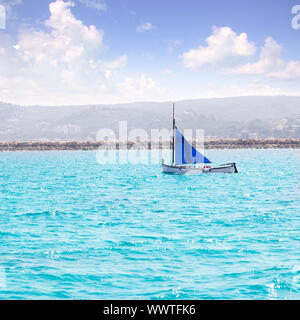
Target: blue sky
{"type": "Point", "coordinates": [107, 51]}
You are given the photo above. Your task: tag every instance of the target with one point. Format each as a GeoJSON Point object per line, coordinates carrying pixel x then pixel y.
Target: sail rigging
{"type": "Point", "coordinates": [185, 153]}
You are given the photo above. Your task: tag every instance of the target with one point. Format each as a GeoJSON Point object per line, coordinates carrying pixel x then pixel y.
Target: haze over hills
{"type": "Point", "coordinates": [237, 117]}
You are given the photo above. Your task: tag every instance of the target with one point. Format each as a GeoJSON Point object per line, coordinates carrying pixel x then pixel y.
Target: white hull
{"type": "Point", "coordinates": [184, 152]}
{"type": "Point", "coordinates": [228, 168]}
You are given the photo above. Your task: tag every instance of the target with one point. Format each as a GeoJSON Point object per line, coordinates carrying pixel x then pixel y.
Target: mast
{"type": "Point", "coordinates": [173, 140]}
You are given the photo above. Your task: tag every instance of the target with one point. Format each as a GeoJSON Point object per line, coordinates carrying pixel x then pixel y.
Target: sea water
{"type": "Point", "coordinates": [71, 228]}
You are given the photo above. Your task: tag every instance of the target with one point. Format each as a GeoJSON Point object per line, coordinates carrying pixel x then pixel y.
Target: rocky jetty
{"type": "Point", "coordinates": [91, 145]}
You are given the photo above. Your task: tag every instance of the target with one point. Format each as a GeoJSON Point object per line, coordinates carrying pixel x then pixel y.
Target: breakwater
{"type": "Point", "coordinates": [92, 145]}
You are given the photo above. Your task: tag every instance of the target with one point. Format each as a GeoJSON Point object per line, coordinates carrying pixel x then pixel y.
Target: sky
{"type": "Point", "coordinates": [58, 52]}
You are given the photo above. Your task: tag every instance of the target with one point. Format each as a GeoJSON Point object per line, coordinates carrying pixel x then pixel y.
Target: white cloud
{"type": "Point", "coordinates": [110, 66]}
{"type": "Point", "coordinates": [136, 85]}
{"type": "Point", "coordinates": [60, 65]}
{"type": "Point", "coordinates": [117, 63]}
{"type": "Point", "coordinates": [256, 88]}
{"type": "Point", "coordinates": [140, 87]}
{"type": "Point", "coordinates": [64, 64]}
{"type": "Point", "coordinates": [289, 72]}
{"type": "Point", "coordinates": [147, 26]}
{"type": "Point", "coordinates": [227, 52]}
{"type": "Point", "coordinates": [95, 4]}
{"type": "Point", "coordinates": [224, 48]}
{"type": "Point", "coordinates": [167, 72]}
{"type": "Point", "coordinates": [271, 64]}
{"type": "Point", "coordinates": [67, 40]}
{"type": "Point", "coordinates": [269, 60]}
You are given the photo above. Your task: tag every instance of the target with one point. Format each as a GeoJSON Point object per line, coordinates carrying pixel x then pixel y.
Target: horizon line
{"type": "Point", "coordinates": [150, 101]}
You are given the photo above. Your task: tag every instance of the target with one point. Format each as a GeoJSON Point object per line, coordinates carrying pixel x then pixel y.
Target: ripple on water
{"type": "Point", "coordinates": [72, 229]}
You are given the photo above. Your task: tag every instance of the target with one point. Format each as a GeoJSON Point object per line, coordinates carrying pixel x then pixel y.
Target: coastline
{"type": "Point", "coordinates": [92, 145]}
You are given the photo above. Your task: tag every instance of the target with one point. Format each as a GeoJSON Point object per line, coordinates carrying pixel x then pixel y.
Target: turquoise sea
{"type": "Point", "coordinates": [71, 228]}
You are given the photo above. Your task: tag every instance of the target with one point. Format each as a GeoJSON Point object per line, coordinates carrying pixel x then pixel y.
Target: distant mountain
{"type": "Point", "coordinates": [237, 117]}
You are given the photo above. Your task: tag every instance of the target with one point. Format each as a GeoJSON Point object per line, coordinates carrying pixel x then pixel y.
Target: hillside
{"type": "Point", "coordinates": [229, 118]}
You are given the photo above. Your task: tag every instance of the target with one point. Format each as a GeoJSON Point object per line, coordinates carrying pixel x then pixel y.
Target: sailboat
{"type": "Point", "coordinates": [188, 160]}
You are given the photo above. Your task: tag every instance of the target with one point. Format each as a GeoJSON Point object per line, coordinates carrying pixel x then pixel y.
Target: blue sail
{"type": "Point", "coordinates": [185, 153]}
